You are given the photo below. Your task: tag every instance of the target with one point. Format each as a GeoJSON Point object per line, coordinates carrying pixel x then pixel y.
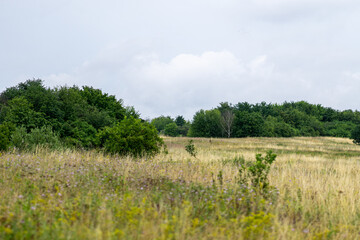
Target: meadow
{"type": "Point", "coordinates": [314, 192]}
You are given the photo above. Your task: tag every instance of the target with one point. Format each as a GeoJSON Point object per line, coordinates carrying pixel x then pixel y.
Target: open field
{"type": "Point", "coordinates": [315, 193]}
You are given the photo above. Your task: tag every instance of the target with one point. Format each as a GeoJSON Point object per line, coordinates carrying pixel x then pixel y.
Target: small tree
{"type": "Point", "coordinates": [171, 130]}
{"type": "Point", "coordinates": [130, 137]}
{"type": "Point", "coordinates": [190, 148]}
{"type": "Point", "coordinates": [226, 121]}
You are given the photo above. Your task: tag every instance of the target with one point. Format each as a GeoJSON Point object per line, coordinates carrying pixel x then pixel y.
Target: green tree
{"type": "Point", "coordinates": [180, 121]}
{"type": "Point", "coordinates": [171, 130]}
{"type": "Point", "coordinates": [20, 112]}
{"type": "Point", "coordinates": [6, 130]}
{"type": "Point", "coordinates": [161, 122]}
{"type": "Point", "coordinates": [130, 137]}
{"type": "Point", "coordinates": [248, 124]}
{"type": "Point", "coordinates": [355, 135]}
{"type": "Point", "coordinates": [206, 124]}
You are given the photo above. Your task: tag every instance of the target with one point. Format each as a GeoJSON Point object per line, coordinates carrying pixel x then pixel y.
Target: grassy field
{"type": "Point", "coordinates": [314, 192]}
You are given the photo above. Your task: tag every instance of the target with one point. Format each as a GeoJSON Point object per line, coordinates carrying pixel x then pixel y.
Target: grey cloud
{"type": "Point", "coordinates": [175, 57]}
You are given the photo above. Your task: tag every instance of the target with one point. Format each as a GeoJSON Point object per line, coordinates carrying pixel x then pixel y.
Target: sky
{"type": "Point", "coordinates": [177, 57]}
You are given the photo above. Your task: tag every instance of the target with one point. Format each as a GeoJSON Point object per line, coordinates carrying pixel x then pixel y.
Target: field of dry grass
{"type": "Point", "coordinates": [87, 195]}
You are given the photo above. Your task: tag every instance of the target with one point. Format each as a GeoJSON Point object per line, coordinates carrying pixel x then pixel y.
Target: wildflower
{"type": "Point", "coordinates": [20, 196]}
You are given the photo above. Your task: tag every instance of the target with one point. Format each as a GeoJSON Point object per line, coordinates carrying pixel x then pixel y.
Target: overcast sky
{"type": "Point", "coordinates": [171, 57]}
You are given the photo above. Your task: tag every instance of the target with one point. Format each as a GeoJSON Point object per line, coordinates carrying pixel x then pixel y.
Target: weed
{"type": "Point", "coordinates": [190, 148]}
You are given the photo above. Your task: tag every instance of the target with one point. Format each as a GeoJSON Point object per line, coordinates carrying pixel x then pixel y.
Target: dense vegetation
{"type": "Point", "coordinates": [86, 118]}
{"type": "Point", "coordinates": [273, 120]}
{"type": "Point", "coordinates": [32, 115]}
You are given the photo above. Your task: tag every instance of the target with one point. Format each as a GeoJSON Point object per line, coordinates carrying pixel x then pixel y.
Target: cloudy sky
{"type": "Point", "coordinates": [175, 57]}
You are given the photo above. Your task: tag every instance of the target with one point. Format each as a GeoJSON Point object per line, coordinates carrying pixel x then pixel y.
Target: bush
{"type": "Point", "coordinates": [6, 130]}
{"type": "Point", "coordinates": [130, 137]}
{"type": "Point", "coordinates": [257, 172]}
{"type": "Point", "coordinates": [171, 130]}
{"type": "Point", "coordinates": [44, 137]}
{"type": "Point", "coordinates": [190, 148]}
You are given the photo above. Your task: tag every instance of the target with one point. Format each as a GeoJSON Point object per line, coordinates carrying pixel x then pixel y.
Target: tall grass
{"type": "Point", "coordinates": [87, 195]}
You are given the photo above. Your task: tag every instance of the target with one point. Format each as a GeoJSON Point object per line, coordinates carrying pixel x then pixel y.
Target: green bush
{"type": "Point", "coordinates": [190, 148]}
{"type": "Point", "coordinates": [130, 137]}
{"type": "Point", "coordinates": [43, 137]}
{"type": "Point", "coordinates": [6, 130]}
{"type": "Point", "coordinates": [257, 172]}
{"type": "Point", "coordinates": [171, 129]}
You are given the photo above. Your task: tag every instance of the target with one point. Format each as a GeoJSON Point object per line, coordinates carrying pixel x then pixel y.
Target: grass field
{"type": "Point", "coordinates": [314, 193]}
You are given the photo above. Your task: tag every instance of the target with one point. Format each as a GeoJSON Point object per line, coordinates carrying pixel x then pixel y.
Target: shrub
{"type": "Point", "coordinates": [44, 137]}
{"type": "Point", "coordinates": [257, 172]}
{"type": "Point", "coordinates": [190, 148]}
{"type": "Point", "coordinates": [6, 130]}
{"type": "Point", "coordinates": [171, 129]}
{"type": "Point", "coordinates": [130, 137]}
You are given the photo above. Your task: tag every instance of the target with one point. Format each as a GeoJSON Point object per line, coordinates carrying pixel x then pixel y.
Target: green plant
{"type": "Point", "coordinates": [190, 148]}
{"type": "Point", "coordinates": [355, 135]}
{"type": "Point", "coordinates": [257, 172]}
{"type": "Point", "coordinates": [260, 169]}
{"type": "Point", "coordinates": [6, 130]}
{"type": "Point", "coordinates": [43, 136]}
{"type": "Point", "coordinates": [171, 129]}
{"type": "Point", "coordinates": [130, 137]}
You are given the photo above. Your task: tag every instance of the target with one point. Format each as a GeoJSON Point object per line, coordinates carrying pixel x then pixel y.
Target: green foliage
{"type": "Point", "coordinates": [171, 129]}
{"type": "Point", "coordinates": [37, 137]}
{"type": "Point", "coordinates": [130, 137]}
{"type": "Point", "coordinates": [248, 124]}
{"type": "Point", "coordinates": [180, 121]}
{"type": "Point", "coordinates": [275, 127]}
{"type": "Point", "coordinates": [6, 130]}
{"type": "Point", "coordinates": [273, 120]}
{"type": "Point", "coordinates": [190, 148]}
{"type": "Point", "coordinates": [74, 114]}
{"type": "Point", "coordinates": [257, 172]}
{"type": "Point", "coordinates": [20, 112]}
{"type": "Point", "coordinates": [80, 134]}
{"type": "Point", "coordinates": [161, 122]}
{"type": "Point", "coordinates": [206, 124]}
{"type": "Point", "coordinates": [355, 135]}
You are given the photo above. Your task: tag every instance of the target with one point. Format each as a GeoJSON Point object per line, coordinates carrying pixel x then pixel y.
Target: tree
{"type": "Point", "coordinates": [180, 121]}
{"type": "Point", "coordinates": [6, 130]}
{"type": "Point", "coordinates": [206, 124]}
{"type": "Point", "coordinates": [130, 137]}
{"type": "Point", "coordinates": [355, 135]}
{"type": "Point", "coordinates": [161, 122]}
{"type": "Point", "coordinates": [248, 124]}
{"type": "Point", "coordinates": [226, 122]}
{"type": "Point", "coordinates": [20, 112]}
{"type": "Point", "coordinates": [171, 130]}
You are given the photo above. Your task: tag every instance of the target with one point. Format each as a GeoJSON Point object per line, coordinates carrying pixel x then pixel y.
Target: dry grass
{"type": "Point", "coordinates": [86, 195]}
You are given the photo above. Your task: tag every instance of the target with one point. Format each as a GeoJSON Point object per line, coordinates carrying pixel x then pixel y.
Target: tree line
{"type": "Point", "coordinates": [87, 118]}
{"type": "Point", "coordinates": [72, 117]}
{"type": "Point", "coordinates": [263, 119]}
